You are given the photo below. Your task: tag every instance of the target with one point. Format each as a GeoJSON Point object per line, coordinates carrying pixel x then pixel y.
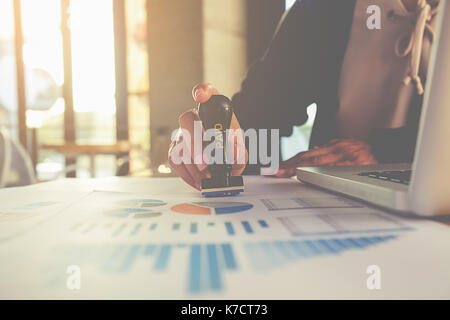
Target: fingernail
{"type": "Point", "coordinates": [198, 92]}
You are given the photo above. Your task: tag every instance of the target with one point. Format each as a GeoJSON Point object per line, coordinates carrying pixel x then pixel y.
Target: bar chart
{"type": "Point", "coordinates": [204, 267]}
{"type": "Point", "coordinates": [348, 222]}
{"type": "Point", "coordinates": [204, 271]}
{"type": "Point", "coordinates": [267, 255]}
{"type": "Point", "coordinates": [141, 203]}
{"type": "Point", "coordinates": [211, 207]}
{"type": "Point", "coordinates": [309, 203]}
{"type": "Point", "coordinates": [130, 229]}
{"type": "Point", "coordinates": [136, 213]}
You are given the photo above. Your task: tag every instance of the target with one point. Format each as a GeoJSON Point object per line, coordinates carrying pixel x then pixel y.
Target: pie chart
{"type": "Point", "coordinates": [208, 208]}
{"type": "Point", "coordinates": [136, 213]}
{"type": "Point", "coordinates": [141, 203]}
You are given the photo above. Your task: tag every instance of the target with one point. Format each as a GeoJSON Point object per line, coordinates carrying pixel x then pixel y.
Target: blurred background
{"type": "Point", "coordinates": [94, 88]}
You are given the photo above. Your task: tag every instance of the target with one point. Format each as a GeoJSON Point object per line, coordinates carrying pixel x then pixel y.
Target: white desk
{"type": "Point", "coordinates": [414, 265]}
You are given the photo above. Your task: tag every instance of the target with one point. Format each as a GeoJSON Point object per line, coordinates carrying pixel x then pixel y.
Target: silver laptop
{"type": "Point", "coordinates": [422, 188]}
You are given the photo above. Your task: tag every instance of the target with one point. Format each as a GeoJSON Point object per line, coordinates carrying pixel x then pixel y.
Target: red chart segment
{"type": "Point", "coordinates": [207, 208]}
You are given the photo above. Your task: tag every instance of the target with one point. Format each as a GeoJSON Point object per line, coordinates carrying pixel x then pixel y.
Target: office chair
{"type": "Point", "coordinates": [16, 168]}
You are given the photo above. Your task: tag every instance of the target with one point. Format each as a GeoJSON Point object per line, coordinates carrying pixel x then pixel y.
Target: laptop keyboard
{"type": "Point", "coordinates": [402, 177]}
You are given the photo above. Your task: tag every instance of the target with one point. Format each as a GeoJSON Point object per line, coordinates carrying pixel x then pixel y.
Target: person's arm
{"type": "Point", "coordinates": [280, 85]}
{"type": "Point", "coordinates": [275, 93]}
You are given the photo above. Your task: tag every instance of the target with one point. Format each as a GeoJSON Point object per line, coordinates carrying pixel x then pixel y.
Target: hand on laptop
{"type": "Point", "coordinates": [190, 172]}
{"type": "Point", "coordinates": [338, 152]}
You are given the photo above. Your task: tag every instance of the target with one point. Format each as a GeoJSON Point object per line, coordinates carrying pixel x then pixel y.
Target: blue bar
{"type": "Point", "coordinates": [194, 268]}
{"type": "Point", "coordinates": [153, 226]}
{"type": "Point", "coordinates": [163, 258]}
{"type": "Point", "coordinates": [270, 254]}
{"type": "Point", "coordinates": [135, 230]}
{"type": "Point", "coordinates": [113, 258]}
{"type": "Point", "coordinates": [263, 223]}
{"type": "Point", "coordinates": [214, 273]}
{"type": "Point", "coordinates": [149, 249]}
{"type": "Point", "coordinates": [327, 245]}
{"type": "Point", "coordinates": [247, 226]}
{"type": "Point", "coordinates": [256, 256]}
{"type": "Point", "coordinates": [378, 239]}
{"type": "Point", "coordinates": [193, 228]}
{"type": "Point", "coordinates": [176, 226]}
{"type": "Point", "coordinates": [301, 252]}
{"type": "Point", "coordinates": [339, 243]}
{"type": "Point", "coordinates": [281, 246]}
{"type": "Point", "coordinates": [355, 243]}
{"type": "Point", "coordinates": [230, 262]}
{"type": "Point", "coordinates": [119, 230]}
{"type": "Point", "coordinates": [129, 258]}
{"type": "Point", "coordinates": [312, 247]}
{"type": "Point", "coordinates": [230, 229]}
{"type": "Point", "coordinates": [369, 240]}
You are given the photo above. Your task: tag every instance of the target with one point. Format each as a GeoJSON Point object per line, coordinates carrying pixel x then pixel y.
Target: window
{"type": "Point", "coordinates": [81, 107]}
{"type": "Point", "coordinates": [299, 140]}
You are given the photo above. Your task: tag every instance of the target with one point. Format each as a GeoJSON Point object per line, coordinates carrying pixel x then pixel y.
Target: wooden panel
{"type": "Point", "coordinates": [120, 56]}
{"type": "Point", "coordinates": [69, 117]}
{"type": "Point", "coordinates": [21, 101]}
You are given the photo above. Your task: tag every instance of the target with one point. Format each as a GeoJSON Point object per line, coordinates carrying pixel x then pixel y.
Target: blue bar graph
{"type": "Point", "coordinates": [149, 249]}
{"type": "Point", "coordinates": [230, 262]}
{"type": "Point", "coordinates": [213, 266]}
{"type": "Point", "coordinates": [163, 258]}
{"type": "Point", "coordinates": [129, 258]}
{"type": "Point", "coordinates": [263, 223]}
{"type": "Point", "coordinates": [195, 270]}
{"type": "Point", "coordinates": [119, 230]}
{"type": "Point", "coordinates": [230, 229]}
{"type": "Point", "coordinates": [267, 255]}
{"type": "Point", "coordinates": [135, 229]}
{"type": "Point", "coordinates": [208, 264]}
{"type": "Point", "coordinates": [248, 228]}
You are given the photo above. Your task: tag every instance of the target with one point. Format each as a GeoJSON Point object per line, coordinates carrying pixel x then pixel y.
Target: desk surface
{"type": "Point", "coordinates": [267, 256]}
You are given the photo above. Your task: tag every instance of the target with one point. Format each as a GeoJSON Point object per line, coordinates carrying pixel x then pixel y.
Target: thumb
{"type": "Point", "coordinates": [203, 91]}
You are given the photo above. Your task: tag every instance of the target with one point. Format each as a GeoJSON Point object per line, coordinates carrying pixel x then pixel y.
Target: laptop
{"type": "Point", "coordinates": [423, 187]}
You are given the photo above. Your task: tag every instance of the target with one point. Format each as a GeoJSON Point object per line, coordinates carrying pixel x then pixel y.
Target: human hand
{"type": "Point", "coordinates": [191, 172]}
{"type": "Point", "coordinates": [338, 152]}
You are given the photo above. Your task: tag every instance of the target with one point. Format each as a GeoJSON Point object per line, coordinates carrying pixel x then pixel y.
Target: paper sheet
{"type": "Point", "coordinates": [21, 210]}
{"type": "Point", "coordinates": [281, 240]}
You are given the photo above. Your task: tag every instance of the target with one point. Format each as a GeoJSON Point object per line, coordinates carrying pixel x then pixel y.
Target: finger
{"type": "Point", "coordinates": [186, 176]}
{"type": "Point", "coordinates": [187, 122]}
{"type": "Point", "coordinates": [343, 163]}
{"type": "Point", "coordinates": [320, 151]}
{"type": "Point", "coordinates": [182, 172]}
{"type": "Point", "coordinates": [316, 152]}
{"type": "Point", "coordinates": [321, 160]}
{"type": "Point", "coordinates": [285, 173]}
{"type": "Point", "coordinates": [291, 162]}
{"type": "Point", "coordinates": [236, 141]}
{"type": "Point", "coordinates": [196, 175]}
{"type": "Point", "coordinates": [203, 91]}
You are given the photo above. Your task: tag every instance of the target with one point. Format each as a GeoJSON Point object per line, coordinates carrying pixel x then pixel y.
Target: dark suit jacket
{"type": "Point", "coordinates": [302, 66]}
